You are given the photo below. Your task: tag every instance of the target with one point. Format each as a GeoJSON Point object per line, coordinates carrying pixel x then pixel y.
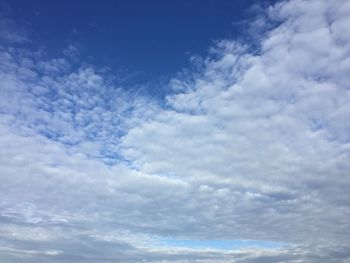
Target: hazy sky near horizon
{"type": "Point", "coordinates": [197, 131]}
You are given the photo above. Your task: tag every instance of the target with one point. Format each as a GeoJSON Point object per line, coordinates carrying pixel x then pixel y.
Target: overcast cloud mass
{"type": "Point", "coordinates": [251, 148]}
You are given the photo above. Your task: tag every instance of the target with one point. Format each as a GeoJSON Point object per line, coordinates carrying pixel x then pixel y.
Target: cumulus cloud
{"type": "Point", "coordinates": [249, 146]}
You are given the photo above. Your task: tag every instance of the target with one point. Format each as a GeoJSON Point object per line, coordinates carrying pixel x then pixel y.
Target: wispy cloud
{"type": "Point", "coordinates": [248, 146]}
{"type": "Point", "coordinates": [11, 33]}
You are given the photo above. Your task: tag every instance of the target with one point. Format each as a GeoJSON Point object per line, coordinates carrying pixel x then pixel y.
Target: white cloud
{"type": "Point", "coordinates": [266, 129]}
{"type": "Point", "coordinates": [250, 146]}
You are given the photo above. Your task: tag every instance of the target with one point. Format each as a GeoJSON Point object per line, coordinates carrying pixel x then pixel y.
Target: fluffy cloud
{"type": "Point", "coordinates": [250, 146]}
{"type": "Point", "coordinates": [268, 131]}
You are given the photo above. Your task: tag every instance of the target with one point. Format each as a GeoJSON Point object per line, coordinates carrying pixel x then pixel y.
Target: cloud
{"type": "Point", "coordinates": [260, 135]}
{"type": "Point", "coordinates": [249, 146]}
{"type": "Point", "coordinates": [11, 32]}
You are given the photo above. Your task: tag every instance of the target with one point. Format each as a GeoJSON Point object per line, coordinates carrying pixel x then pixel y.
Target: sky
{"type": "Point", "coordinates": [143, 41]}
{"type": "Point", "coordinates": [174, 132]}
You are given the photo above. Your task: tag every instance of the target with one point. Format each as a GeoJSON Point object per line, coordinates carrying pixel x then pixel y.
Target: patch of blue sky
{"type": "Point", "coordinates": [221, 244]}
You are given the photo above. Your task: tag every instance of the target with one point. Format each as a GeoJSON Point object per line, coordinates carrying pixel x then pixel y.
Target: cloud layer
{"type": "Point", "coordinates": [250, 145]}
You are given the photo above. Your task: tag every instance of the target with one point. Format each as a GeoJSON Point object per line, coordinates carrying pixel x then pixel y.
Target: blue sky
{"type": "Point", "coordinates": [174, 132]}
{"type": "Point", "coordinates": [149, 40]}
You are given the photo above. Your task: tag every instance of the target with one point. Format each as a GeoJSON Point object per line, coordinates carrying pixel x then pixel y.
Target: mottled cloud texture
{"type": "Point", "coordinates": [252, 144]}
